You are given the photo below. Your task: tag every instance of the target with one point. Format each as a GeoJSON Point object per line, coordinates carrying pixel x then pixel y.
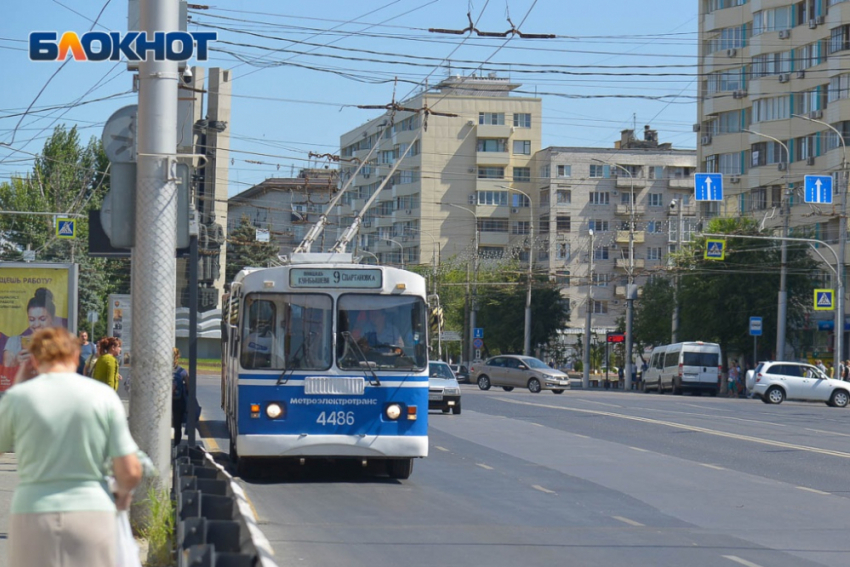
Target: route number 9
{"type": "Point", "coordinates": [336, 418]}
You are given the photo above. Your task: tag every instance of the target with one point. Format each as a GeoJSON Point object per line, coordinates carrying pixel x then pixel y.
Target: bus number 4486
{"type": "Point", "coordinates": [336, 418]}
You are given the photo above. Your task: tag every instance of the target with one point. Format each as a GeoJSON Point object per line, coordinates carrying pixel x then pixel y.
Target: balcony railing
{"type": "Point", "coordinates": [623, 237]}
{"type": "Point", "coordinates": [623, 263]}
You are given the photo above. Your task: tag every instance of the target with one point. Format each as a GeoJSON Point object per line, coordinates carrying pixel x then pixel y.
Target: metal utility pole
{"type": "Point", "coordinates": [679, 229]}
{"type": "Point", "coordinates": [154, 273]}
{"type": "Point", "coordinates": [842, 238]}
{"type": "Point", "coordinates": [585, 377]}
{"type": "Point", "coordinates": [474, 301]}
{"type": "Point", "coordinates": [526, 343]}
{"type": "Point", "coordinates": [782, 307]}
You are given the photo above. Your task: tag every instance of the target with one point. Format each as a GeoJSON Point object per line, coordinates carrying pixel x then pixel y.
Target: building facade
{"type": "Point", "coordinates": [455, 177]}
{"type": "Point", "coordinates": [607, 191]}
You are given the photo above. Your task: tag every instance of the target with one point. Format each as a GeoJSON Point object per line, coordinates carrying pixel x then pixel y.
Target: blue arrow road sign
{"type": "Point", "coordinates": [478, 333]}
{"type": "Point", "coordinates": [709, 186]}
{"type": "Point", "coordinates": [755, 326]}
{"type": "Point", "coordinates": [819, 189]}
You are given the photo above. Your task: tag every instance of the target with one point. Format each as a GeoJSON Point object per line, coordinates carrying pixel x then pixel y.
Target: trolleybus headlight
{"type": "Point", "coordinates": [274, 410]}
{"type": "Point", "coordinates": [393, 411]}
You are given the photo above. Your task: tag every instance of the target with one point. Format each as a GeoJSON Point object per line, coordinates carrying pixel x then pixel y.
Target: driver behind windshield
{"type": "Point", "coordinates": [376, 331]}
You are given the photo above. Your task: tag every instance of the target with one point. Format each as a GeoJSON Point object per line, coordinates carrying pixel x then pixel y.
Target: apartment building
{"type": "Point", "coordinates": [768, 70]}
{"type": "Point", "coordinates": [607, 190]}
{"type": "Point", "coordinates": [456, 174]}
{"type": "Point", "coordinates": [286, 207]}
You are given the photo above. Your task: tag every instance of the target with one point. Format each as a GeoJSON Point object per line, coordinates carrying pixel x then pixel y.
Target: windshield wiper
{"type": "Point", "coordinates": [363, 363]}
{"type": "Point", "coordinates": [290, 362]}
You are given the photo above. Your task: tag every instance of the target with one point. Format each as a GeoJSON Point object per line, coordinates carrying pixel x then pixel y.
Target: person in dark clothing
{"type": "Point", "coordinates": [179, 397]}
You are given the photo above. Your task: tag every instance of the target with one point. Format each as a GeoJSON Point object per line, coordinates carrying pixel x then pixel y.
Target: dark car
{"type": "Point", "coordinates": [443, 389]}
{"type": "Point", "coordinates": [461, 371]}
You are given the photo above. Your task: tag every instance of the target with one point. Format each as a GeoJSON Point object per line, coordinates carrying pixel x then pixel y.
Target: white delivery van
{"type": "Point", "coordinates": [690, 367]}
{"type": "Point", "coordinates": [652, 374]}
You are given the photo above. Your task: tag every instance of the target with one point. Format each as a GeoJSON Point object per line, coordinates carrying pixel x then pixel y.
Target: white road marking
{"type": "Point", "coordinates": [715, 467]}
{"type": "Point", "coordinates": [829, 432]}
{"type": "Point", "coordinates": [441, 448]}
{"type": "Point", "coordinates": [628, 521]}
{"type": "Point", "coordinates": [582, 436]}
{"type": "Point", "coordinates": [541, 489]}
{"type": "Point", "coordinates": [599, 403]}
{"type": "Point", "coordinates": [741, 561]}
{"type": "Point", "coordinates": [483, 466]}
{"type": "Point", "coordinates": [815, 490]}
{"type": "Point", "coordinates": [639, 449]}
{"type": "Point", "coordinates": [693, 428]}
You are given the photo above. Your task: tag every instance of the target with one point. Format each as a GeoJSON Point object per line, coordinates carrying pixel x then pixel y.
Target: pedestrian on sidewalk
{"type": "Point", "coordinates": [732, 380]}
{"type": "Point", "coordinates": [64, 428]}
{"type": "Point", "coordinates": [86, 350]}
{"type": "Point", "coordinates": [179, 397]}
{"type": "Point", "coordinates": [106, 367]}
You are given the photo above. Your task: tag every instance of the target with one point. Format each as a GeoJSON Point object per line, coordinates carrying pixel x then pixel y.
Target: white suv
{"type": "Point", "coordinates": [773, 382]}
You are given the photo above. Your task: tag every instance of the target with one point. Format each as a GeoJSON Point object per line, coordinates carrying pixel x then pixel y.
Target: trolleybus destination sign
{"type": "Point", "coordinates": [335, 278]}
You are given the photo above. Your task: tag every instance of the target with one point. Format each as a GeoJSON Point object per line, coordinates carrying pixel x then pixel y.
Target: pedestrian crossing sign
{"type": "Point", "coordinates": [66, 228]}
{"type": "Point", "coordinates": [824, 299]}
{"type": "Point", "coordinates": [715, 249]}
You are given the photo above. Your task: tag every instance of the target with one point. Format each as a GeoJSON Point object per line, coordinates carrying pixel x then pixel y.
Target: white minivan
{"type": "Point", "coordinates": [685, 367]}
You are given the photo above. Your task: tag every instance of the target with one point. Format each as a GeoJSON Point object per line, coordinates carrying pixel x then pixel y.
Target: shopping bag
{"type": "Point", "coordinates": [127, 550]}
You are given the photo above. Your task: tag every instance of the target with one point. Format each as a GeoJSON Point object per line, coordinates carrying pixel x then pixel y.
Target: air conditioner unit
{"type": "Point", "coordinates": [784, 77]}
{"type": "Point", "coordinates": [697, 127]}
{"type": "Point", "coordinates": [739, 94]}
{"type": "Point", "coordinates": [470, 122]}
{"type": "Point", "coordinates": [705, 139]}
{"type": "Point", "coordinates": [784, 34]}
{"type": "Point", "coordinates": [810, 160]}
{"type": "Point", "coordinates": [813, 24]}
{"type": "Point", "coordinates": [734, 179]}
{"type": "Point", "coordinates": [816, 114]}
{"type": "Point", "coordinates": [731, 52]}
{"type": "Point", "coordinates": [472, 199]}
{"type": "Point", "coordinates": [514, 211]}
{"type": "Point", "coordinates": [782, 166]}
{"type": "Point", "coordinates": [821, 20]}
{"type": "Point", "coordinates": [801, 74]}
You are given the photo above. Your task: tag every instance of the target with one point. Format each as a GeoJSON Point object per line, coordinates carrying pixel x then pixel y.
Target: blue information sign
{"type": "Point", "coordinates": [478, 333]}
{"type": "Point", "coordinates": [755, 326]}
{"type": "Point", "coordinates": [819, 189]}
{"type": "Point", "coordinates": [709, 186]}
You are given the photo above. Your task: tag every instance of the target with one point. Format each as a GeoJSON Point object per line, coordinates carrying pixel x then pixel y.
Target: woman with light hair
{"type": "Point", "coordinates": [64, 429]}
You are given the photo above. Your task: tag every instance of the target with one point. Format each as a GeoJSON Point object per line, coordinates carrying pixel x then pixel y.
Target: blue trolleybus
{"type": "Point", "coordinates": [326, 359]}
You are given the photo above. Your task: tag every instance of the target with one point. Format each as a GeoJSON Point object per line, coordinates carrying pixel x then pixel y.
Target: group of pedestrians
{"type": "Point", "coordinates": [840, 373]}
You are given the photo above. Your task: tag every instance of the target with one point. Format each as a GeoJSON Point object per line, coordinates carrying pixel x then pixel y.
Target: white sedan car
{"type": "Point", "coordinates": [773, 382]}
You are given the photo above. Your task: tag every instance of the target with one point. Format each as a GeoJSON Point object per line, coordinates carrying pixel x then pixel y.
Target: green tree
{"type": "Point", "coordinates": [653, 314]}
{"type": "Point", "coordinates": [244, 250]}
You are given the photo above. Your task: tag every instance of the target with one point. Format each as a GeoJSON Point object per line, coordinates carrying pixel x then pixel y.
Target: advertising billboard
{"type": "Point", "coordinates": [32, 296]}
{"type": "Point", "coordinates": [120, 324]}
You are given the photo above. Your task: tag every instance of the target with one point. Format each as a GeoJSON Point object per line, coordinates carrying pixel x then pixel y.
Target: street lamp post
{"type": "Point", "coordinates": [782, 308]}
{"type": "Point", "coordinates": [842, 240]}
{"type": "Point", "coordinates": [630, 287]}
{"type": "Point", "coordinates": [372, 255]}
{"type": "Point", "coordinates": [526, 343]}
{"type": "Point", "coordinates": [474, 294]}
{"type": "Point", "coordinates": [679, 230]}
{"type": "Point", "coordinates": [585, 375]}
{"type": "Point", "coordinates": [400, 246]}
{"type": "Point", "coordinates": [434, 294]}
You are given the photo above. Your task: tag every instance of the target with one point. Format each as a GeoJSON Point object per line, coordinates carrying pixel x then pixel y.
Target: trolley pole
{"type": "Point", "coordinates": [585, 376]}
{"type": "Point", "coordinates": [154, 266]}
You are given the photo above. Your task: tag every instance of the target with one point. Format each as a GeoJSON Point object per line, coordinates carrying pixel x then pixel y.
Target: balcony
{"type": "Point", "coordinates": [494, 131]}
{"type": "Point", "coordinates": [493, 158]}
{"type": "Point", "coordinates": [623, 237]}
{"type": "Point", "coordinates": [625, 210]}
{"type": "Point", "coordinates": [625, 182]}
{"type": "Point", "coordinates": [620, 291]}
{"type": "Point", "coordinates": [681, 183]}
{"type": "Point", "coordinates": [623, 263]}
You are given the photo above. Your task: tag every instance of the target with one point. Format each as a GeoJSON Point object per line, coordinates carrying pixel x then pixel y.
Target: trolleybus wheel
{"type": "Point", "coordinates": [400, 468]}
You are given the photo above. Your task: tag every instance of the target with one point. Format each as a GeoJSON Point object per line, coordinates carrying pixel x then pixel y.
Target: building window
{"type": "Point", "coordinates": [624, 197]}
{"type": "Point", "coordinates": [810, 55]}
{"type": "Point", "coordinates": [772, 20]}
{"type": "Point", "coordinates": [653, 253]}
{"type": "Point", "coordinates": [725, 81]}
{"type": "Point", "coordinates": [522, 147]}
{"type": "Point", "coordinates": [807, 101]}
{"type": "Point", "coordinates": [600, 307]}
{"type": "Point", "coordinates": [839, 39]}
{"type": "Point", "coordinates": [545, 171]}
{"type": "Point", "coordinates": [839, 87]}
{"type": "Point", "coordinates": [491, 118]}
{"type": "Point", "coordinates": [518, 200]}
{"type": "Point", "coordinates": [491, 252]}
{"type": "Point", "coordinates": [598, 170]}
{"type": "Point", "coordinates": [522, 120]}
{"type": "Point", "coordinates": [770, 64]}
{"type": "Point", "coordinates": [492, 225]}
{"type": "Point", "coordinates": [759, 199]}
{"type": "Point", "coordinates": [601, 280]}
{"type": "Point", "coordinates": [601, 253]}
{"type": "Point", "coordinates": [520, 227]}
{"type": "Point", "coordinates": [522, 174]}
{"type": "Point", "coordinates": [562, 251]}
{"type": "Point", "coordinates": [655, 199]}
{"type": "Point", "coordinates": [728, 38]}
{"type": "Point", "coordinates": [492, 144]}
{"type": "Point", "coordinates": [654, 226]}
{"type": "Point", "coordinates": [562, 224]}
{"type": "Point", "coordinates": [491, 172]}
{"type": "Point", "coordinates": [766, 153]}
{"type": "Point", "coordinates": [599, 197]}
{"type": "Point", "coordinates": [634, 170]}
{"type": "Point", "coordinates": [565, 171]}
{"type": "Point", "coordinates": [598, 225]}
{"type": "Point", "coordinates": [498, 198]}
{"type": "Point", "coordinates": [564, 196]}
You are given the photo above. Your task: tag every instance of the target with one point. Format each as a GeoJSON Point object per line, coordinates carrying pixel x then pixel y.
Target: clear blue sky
{"type": "Point", "coordinates": [335, 54]}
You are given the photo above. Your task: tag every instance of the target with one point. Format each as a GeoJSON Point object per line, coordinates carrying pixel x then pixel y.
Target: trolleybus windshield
{"type": "Point", "coordinates": [287, 331]}
{"type": "Point", "coordinates": [389, 331]}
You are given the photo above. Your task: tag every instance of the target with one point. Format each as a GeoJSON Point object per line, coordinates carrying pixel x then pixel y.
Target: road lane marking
{"type": "Point", "coordinates": [541, 489]}
{"type": "Point", "coordinates": [207, 436]}
{"type": "Point", "coordinates": [815, 490]}
{"type": "Point", "coordinates": [741, 561]}
{"type": "Point", "coordinates": [483, 466]}
{"type": "Point", "coordinates": [628, 521]}
{"type": "Point", "coordinates": [599, 403]}
{"type": "Point", "coordinates": [724, 417]}
{"type": "Point", "coordinates": [715, 467]}
{"type": "Point", "coordinates": [582, 436]}
{"type": "Point", "coordinates": [695, 429]}
{"type": "Point", "coordinates": [829, 432]}
{"type": "Point", "coordinates": [441, 448]}
{"type": "Point", "coordinates": [639, 449]}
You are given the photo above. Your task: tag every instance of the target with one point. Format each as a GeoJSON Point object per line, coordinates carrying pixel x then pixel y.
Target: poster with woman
{"type": "Point", "coordinates": [32, 296]}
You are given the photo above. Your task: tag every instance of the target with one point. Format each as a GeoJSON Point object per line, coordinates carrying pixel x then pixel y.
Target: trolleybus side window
{"type": "Point", "coordinates": [388, 331]}
{"type": "Point", "coordinates": [287, 331]}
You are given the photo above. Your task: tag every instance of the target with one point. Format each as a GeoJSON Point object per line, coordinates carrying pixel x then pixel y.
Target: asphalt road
{"type": "Point", "coordinates": [584, 478]}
